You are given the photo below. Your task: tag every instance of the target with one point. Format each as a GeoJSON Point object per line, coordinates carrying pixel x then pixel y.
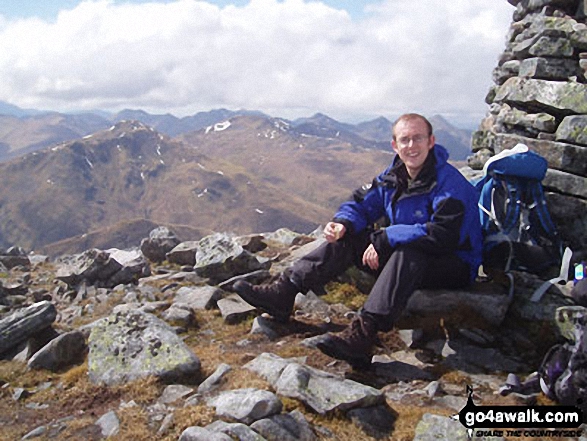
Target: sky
{"type": "Point", "coordinates": [352, 60]}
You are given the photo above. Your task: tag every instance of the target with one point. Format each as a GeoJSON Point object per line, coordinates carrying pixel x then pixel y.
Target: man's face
{"type": "Point", "coordinates": [412, 142]}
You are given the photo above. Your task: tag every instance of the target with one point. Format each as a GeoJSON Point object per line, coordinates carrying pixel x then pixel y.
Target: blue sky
{"type": "Point", "coordinates": [49, 9]}
{"type": "Point", "coordinates": [353, 60]}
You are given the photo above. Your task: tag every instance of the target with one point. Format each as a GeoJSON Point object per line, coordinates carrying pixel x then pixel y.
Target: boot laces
{"type": "Point", "coordinates": [271, 289]}
{"type": "Point", "coordinates": [359, 330]}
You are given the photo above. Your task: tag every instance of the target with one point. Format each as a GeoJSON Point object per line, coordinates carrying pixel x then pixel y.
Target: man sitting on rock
{"type": "Point", "coordinates": [433, 241]}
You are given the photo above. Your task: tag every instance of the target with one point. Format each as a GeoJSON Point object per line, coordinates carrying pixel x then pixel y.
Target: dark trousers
{"type": "Point", "coordinates": [406, 269]}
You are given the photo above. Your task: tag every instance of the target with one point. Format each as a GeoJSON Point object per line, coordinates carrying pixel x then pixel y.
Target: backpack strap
{"type": "Point", "coordinates": [514, 206]}
{"type": "Point", "coordinates": [562, 277]}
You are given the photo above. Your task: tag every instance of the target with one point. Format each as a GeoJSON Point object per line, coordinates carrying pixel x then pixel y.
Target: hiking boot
{"type": "Point", "coordinates": [276, 299]}
{"type": "Point", "coordinates": [354, 344]}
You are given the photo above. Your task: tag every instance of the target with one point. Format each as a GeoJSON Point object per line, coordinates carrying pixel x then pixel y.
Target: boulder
{"type": "Point", "coordinates": [291, 426]}
{"type": "Point", "coordinates": [320, 390]}
{"type": "Point", "coordinates": [104, 269]}
{"type": "Point", "coordinates": [573, 129]}
{"type": "Point", "coordinates": [63, 351]}
{"type": "Point", "coordinates": [132, 345]}
{"type": "Point", "coordinates": [24, 323]}
{"type": "Point", "coordinates": [161, 241]}
{"type": "Point", "coordinates": [559, 98]}
{"type": "Point", "coordinates": [199, 297]}
{"type": "Point", "coordinates": [90, 266]}
{"type": "Point", "coordinates": [246, 405]}
{"type": "Point", "coordinates": [483, 306]}
{"type": "Point", "coordinates": [220, 257]}
{"type": "Point", "coordinates": [184, 253]}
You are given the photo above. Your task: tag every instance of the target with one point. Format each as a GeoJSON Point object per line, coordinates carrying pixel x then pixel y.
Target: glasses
{"type": "Point", "coordinates": [417, 139]}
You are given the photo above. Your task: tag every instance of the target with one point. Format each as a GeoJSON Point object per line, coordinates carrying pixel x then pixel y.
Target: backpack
{"type": "Point", "coordinates": [518, 231]}
{"type": "Point", "coordinates": [563, 371]}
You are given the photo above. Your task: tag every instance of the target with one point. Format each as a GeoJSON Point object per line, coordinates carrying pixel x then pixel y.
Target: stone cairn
{"type": "Point", "coordinates": [539, 98]}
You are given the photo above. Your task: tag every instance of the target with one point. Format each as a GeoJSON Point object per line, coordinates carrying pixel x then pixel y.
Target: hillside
{"type": "Point", "coordinates": [27, 133]}
{"type": "Point", "coordinates": [321, 170]}
{"type": "Point", "coordinates": [24, 131]}
{"type": "Point", "coordinates": [131, 172]}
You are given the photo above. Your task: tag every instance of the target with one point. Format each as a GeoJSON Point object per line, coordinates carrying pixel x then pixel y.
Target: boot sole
{"type": "Point", "coordinates": [246, 293]}
{"type": "Point", "coordinates": [330, 348]}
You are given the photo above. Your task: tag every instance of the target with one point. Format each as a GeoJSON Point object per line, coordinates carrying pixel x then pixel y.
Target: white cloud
{"type": "Point", "coordinates": [287, 58]}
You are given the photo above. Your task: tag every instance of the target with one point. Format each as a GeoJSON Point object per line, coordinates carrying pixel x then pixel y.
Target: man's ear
{"type": "Point", "coordinates": [393, 145]}
{"type": "Point", "coordinates": [432, 142]}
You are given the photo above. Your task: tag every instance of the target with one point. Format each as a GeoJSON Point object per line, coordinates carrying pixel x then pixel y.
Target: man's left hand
{"type": "Point", "coordinates": [371, 258]}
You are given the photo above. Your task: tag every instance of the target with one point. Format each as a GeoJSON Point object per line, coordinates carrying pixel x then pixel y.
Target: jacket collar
{"type": "Point", "coordinates": [399, 178]}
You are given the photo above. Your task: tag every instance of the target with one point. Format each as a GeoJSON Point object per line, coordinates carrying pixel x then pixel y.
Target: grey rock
{"type": "Point", "coordinates": [285, 427]}
{"type": "Point", "coordinates": [134, 266]}
{"type": "Point", "coordinates": [376, 421]}
{"type": "Point", "coordinates": [109, 424]}
{"type": "Point", "coordinates": [166, 425]}
{"type": "Point", "coordinates": [199, 297]}
{"type": "Point", "coordinates": [573, 129]}
{"type": "Point", "coordinates": [35, 342]}
{"type": "Point", "coordinates": [35, 433]}
{"type": "Point", "coordinates": [161, 240]}
{"type": "Point", "coordinates": [13, 261]}
{"type": "Point", "coordinates": [174, 392]}
{"type": "Point", "coordinates": [180, 315]}
{"type": "Point", "coordinates": [558, 98]}
{"type": "Point", "coordinates": [283, 235]}
{"type": "Point", "coordinates": [238, 431]}
{"type": "Point", "coordinates": [246, 405]}
{"type": "Point", "coordinates": [65, 350]}
{"type": "Point", "coordinates": [396, 371]}
{"type": "Point", "coordinates": [506, 70]}
{"type": "Point", "coordinates": [90, 266]}
{"type": "Point", "coordinates": [510, 118]}
{"type": "Point", "coordinates": [433, 427]}
{"type": "Point", "coordinates": [220, 257]}
{"type": "Point", "coordinates": [102, 268]}
{"type": "Point", "coordinates": [462, 355]}
{"type": "Point", "coordinates": [566, 183]}
{"type": "Point", "coordinates": [548, 68]}
{"type": "Point", "coordinates": [573, 229]}
{"type": "Point", "coordinates": [126, 347]}
{"type": "Point", "coordinates": [252, 242]}
{"type": "Point", "coordinates": [473, 307]}
{"type": "Point", "coordinates": [196, 433]}
{"type": "Point", "coordinates": [267, 327]}
{"type": "Point", "coordinates": [214, 380]}
{"type": "Point", "coordinates": [25, 323]}
{"type": "Point", "coordinates": [320, 390]}
{"type": "Point", "coordinates": [184, 253]}
{"type": "Point", "coordinates": [234, 309]}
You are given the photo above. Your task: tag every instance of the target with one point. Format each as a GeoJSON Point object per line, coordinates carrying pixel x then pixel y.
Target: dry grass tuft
{"type": "Point", "coordinates": [142, 391]}
{"type": "Point", "coordinates": [17, 374]}
{"type": "Point", "coordinates": [134, 424]}
{"type": "Point", "coordinates": [199, 415]}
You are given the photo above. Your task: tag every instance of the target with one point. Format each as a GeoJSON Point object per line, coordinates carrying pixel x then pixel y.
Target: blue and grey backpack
{"type": "Point", "coordinates": [518, 231]}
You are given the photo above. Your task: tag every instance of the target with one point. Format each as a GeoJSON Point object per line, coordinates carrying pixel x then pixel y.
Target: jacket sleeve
{"type": "Point", "coordinates": [364, 210]}
{"type": "Point", "coordinates": [441, 233]}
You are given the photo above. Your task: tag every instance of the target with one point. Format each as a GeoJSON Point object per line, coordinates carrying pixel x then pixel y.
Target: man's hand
{"type": "Point", "coordinates": [334, 231]}
{"type": "Point", "coordinates": [371, 258]}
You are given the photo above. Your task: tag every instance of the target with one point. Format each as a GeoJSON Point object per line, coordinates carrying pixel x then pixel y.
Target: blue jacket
{"type": "Point", "coordinates": [437, 211]}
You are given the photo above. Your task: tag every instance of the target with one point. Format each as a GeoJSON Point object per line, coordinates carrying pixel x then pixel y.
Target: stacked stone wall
{"type": "Point", "coordinates": [539, 98]}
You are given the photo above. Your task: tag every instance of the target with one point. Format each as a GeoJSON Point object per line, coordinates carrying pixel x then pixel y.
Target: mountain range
{"type": "Point", "coordinates": [72, 182]}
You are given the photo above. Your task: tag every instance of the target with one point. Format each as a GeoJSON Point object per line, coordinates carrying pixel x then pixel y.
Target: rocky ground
{"type": "Point", "coordinates": [247, 377]}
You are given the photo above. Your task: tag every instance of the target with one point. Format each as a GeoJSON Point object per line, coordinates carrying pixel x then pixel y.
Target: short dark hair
{"type": "Point", "coordinates": [409, 117]}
